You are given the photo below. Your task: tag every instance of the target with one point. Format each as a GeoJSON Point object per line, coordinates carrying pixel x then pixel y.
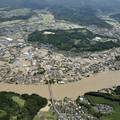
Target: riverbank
{"type": "Point", "coordinates": [72, 90]}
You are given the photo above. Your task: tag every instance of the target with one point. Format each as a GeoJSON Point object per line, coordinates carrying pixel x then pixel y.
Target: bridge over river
{"type": "Point", "coordinates": [72, 90]}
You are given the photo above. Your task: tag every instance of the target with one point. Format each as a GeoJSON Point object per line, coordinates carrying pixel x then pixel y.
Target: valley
{"type": "Point", "coordinates": [32, 52]}
{"type": "Point", "coordinates": [59, 60]}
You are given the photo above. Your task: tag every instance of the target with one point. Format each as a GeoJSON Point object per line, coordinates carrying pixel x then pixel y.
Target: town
{"type": "Point", "coordinates": [26, 63]}
{"type": "Point", "coordinates": [40, 79]}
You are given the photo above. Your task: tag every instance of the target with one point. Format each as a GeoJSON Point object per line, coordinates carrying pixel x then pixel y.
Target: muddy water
{"type": "Point", "coordinates": [72, 90]}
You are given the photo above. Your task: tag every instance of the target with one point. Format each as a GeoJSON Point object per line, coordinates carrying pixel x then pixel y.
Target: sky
{"type": "Point", "coordinates": [73, 3]}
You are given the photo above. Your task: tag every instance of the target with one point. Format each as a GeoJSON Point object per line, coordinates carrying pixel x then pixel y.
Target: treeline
{"type": "Point", "coordinates": [15, 18]}
{"type": "Point", "coordinates": [117, 90]}
{"type": "Point", "coordinates": [82, 15]}
{"type": "Point", "coordinates": [104, 95]}
{"type": "Point", "coordinates": [2, 19]}
{"type": "Point", "coordinates": [20, 107]}
{"type": "Point", "coordinates": [102, 100]}
{"type": "Point", "coordinates": [75, 39]}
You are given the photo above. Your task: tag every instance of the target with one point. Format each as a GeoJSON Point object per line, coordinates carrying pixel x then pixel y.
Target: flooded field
{"type": "Point", "coordinates": [72, 90]}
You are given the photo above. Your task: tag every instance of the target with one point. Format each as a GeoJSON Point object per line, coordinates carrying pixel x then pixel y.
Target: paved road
{"type": "Point", "coordinates": [53, 104]}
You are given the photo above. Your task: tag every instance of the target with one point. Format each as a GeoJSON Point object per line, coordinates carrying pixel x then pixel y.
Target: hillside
{"type": "Point", "coordinates": [20, 107]}
{"type": "Point", "coordinates": [81, 12]}
{"type": "Point", "coordinates": [74, 39]}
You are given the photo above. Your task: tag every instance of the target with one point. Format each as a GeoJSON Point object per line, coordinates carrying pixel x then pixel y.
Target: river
{"type": "Point", "coordinates": [72, 90]}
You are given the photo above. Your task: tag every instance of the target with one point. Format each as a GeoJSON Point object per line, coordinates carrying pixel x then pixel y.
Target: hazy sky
{"type": "Point", "coordinates": [94, 3]}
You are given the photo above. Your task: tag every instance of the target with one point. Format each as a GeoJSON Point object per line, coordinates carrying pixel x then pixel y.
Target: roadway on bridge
{"type": "Point", "coordinates": [72, 90]}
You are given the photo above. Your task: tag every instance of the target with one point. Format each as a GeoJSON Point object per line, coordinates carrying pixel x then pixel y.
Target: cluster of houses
{"type": "Point", "coordinates": [18, 58]}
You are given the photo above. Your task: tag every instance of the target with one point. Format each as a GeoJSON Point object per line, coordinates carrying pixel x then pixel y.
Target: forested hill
{"type": "Point", "coordinates": [83, 12]}
{"type": "Point", "coordinates": [74, 39]}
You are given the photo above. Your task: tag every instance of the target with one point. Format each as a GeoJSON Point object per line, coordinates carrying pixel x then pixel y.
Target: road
{"type": "Point", "coordinates": [53, 104]}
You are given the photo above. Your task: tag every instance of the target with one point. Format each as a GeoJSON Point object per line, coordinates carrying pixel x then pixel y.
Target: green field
{"type": "Point", "coordinates": [44, 116]}
{"type": "Point", "coordinates": [20, 107]}
{"type": "Point", "coordinates": [107, 99]}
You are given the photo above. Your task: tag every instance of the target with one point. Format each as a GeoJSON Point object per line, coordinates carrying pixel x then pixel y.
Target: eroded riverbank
{"type": "Point", "coordinates": [72, 90]}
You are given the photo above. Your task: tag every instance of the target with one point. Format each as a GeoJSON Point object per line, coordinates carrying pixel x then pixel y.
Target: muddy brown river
{"type": "Point", "coordinates": [72, 90]}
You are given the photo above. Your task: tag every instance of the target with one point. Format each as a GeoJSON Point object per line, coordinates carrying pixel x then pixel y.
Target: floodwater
{"type": "Point", "coordinates": [72, 90]}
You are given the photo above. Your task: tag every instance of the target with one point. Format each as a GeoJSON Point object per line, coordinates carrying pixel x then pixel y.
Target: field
{"type": "Point", "coordinates": [20, 107]}
{"type": "Point", "coordinates": [105, 99]}
{"type": "Point", "coordinates": [44, 116]}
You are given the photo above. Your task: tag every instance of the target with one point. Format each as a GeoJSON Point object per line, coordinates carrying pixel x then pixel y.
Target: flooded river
{"type": "Point", "coordinates": [72, 90]}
